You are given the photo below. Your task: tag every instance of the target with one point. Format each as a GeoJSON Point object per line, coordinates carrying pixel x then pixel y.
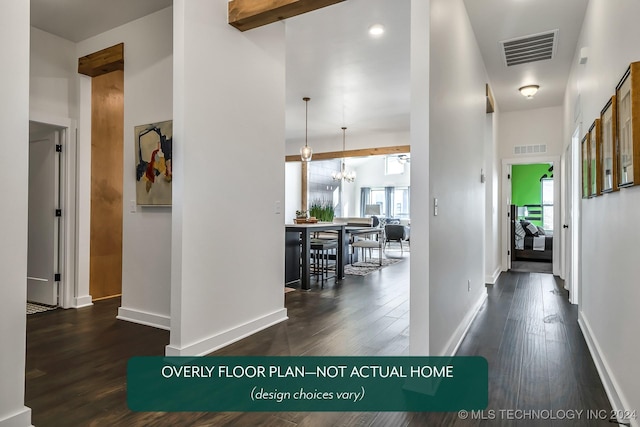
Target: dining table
{"type": "Point", "coordinates": [305, 231]}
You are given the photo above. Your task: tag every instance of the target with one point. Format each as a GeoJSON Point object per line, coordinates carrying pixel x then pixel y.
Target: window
{"type": "Point", "coordinates": [393, 165]}
{"type": "Point", "coordinates": [378, 198]}
{"type": "Point", "coordinates": [547, 203]}
{"type": "Point", "coordinates": [401, 202]}
{"type": "Point", "coordinates": [398, 199]}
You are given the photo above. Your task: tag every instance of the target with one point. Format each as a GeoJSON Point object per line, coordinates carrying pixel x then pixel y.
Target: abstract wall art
{"type": "Point", "coordinates": [154, 150]}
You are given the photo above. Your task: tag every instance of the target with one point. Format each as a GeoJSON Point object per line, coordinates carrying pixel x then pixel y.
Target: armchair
{"type": "Point", "coordinates": [396, 233]}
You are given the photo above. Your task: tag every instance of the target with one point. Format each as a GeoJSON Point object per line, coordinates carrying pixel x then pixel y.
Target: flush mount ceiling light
{"type": "Point", "coordinates": [376, 30]}
{"type": "Point", "coordinates": [306, 152]}
{"type": "Point", "coordinates": [529, 90]}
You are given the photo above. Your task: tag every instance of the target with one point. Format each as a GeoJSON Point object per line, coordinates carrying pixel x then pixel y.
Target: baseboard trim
{"type": "Point", "coordinates": [22, 418]}
{"type": "Point", "coordinates": [618, 402]}
{"type": "Point", "coordinates": [144, 318]}
{"type": "Point", "coordinates": [463, 327]}
{"type": "Point", "coordinates": [223, 339]}
{"type": "Point", "coordinates": [492, 279]}
{"type": "Point", "coordinates": [83, 301]}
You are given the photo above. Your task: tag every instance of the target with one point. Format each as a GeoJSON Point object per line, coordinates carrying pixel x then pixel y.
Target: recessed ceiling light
{"type": "Point", "coordinates": [529, 90]}
{"type": "Point", "coordinates": [376, 30]}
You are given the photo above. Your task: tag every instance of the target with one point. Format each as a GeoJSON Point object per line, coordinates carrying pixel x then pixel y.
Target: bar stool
{"type": "Point", "coordinates": [321, 249]}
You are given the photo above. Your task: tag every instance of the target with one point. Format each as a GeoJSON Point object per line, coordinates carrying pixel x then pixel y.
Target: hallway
{"type": "Point", "coordinates": [76, 359]}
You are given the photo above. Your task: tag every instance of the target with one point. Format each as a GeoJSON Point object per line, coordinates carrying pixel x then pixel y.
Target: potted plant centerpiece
{"type": "Point", "coordinates": [323, 211]}
{"type": "Point", "coordinates": [301, 217]}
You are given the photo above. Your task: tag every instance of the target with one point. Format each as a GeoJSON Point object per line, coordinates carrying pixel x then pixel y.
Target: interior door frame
{"type": "Point", "coordinates": [67, 287]}
{"type": "Point", "coordinates": [505, 202]}
{"type": "Point", "coordinates": [565, 185]}
{"type": "Point", "coordinates": [574, 220]}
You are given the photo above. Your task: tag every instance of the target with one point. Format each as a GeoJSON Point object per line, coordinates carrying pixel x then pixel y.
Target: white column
{"type": "Point", "coordinates": [227, 270]}
{"type": "Point", "coordinates": [14, 167]}
{"type": "Point", "coordinates": [420, 194]}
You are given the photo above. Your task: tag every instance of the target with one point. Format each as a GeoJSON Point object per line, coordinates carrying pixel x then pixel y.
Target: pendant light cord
{"type": "Point", "coordinates": [306, 118]}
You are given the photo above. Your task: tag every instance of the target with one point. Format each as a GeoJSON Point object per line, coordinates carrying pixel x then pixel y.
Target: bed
{"type": "Point", "coordinates": [529, 242]}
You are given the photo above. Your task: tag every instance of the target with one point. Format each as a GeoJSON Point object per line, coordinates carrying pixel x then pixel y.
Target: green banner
{"type": "Point", "coordinates": [260, 383]}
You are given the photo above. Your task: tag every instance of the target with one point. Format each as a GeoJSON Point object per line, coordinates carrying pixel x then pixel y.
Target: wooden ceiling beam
{"type": "Point", "coordinates": [248, 14]}
{"type": "Point", "coordinates": [490, 102]}
{"type": "Point", "coordinates": [103, 61]}
{"type": "Point", "coordinates": [364, 152]}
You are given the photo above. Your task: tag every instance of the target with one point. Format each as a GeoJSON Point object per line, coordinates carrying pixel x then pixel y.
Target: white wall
{"type": "Point", "coordinates": [370, 173]}
{"type": "Point", "coordinates": [531, 127]}
{"type": "Point", "coordinates": [228, 104]}
{"type": "Point", "coordinates": [53, 75]}
{"type": "Point", "coordinates": [609, 298]}
{"type": "Point", "coordinates": [148, 98]}
{"type": "Point", "coordinates": [14, 166]}
{"type": "Point", "coordinates": [456, 158]}
{"type": "Point", "coordinates": [292, 190]}
{"type": "Point", "coordinates": [53, 99]}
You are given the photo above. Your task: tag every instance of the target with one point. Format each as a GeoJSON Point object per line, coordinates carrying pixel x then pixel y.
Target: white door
{"type": "Point", "coordinates": [42, 259]}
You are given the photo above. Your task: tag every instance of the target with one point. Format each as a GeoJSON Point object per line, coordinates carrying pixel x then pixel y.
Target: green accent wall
{"type": "Point", "coordinates": [526, 188]}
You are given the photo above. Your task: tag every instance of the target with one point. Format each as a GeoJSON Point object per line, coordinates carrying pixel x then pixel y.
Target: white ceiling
{"type": "Point", "coordinates": [78, 20]}
{"type": "Point", "coordinates": [494, 21]}
{"type": "Point", "coordinates": [354, 80]}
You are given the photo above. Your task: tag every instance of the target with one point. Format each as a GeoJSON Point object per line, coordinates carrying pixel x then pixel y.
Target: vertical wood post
{"type": "Point", "coordinates": [304, 173]}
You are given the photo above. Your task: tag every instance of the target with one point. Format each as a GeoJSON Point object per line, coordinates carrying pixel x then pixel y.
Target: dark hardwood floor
{"type": "Point", "coordinates": [76, 359]}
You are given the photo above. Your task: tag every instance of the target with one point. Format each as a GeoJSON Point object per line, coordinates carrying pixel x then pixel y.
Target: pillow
{"type": "Point", "coordinates": [533, 229]}
{"type": "Point", "coordinates": [520, 230]}
{"type": "Point", "coordinates": [530, 229]}
{"type": "Point", "coordinates": [393, 221]}
{"type": "Point", "coordinates": [541, 231]}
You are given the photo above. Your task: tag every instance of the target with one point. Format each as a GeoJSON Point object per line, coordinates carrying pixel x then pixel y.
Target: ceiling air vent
{"type": "Point", "coordinates": [530, 149]}
{"type": "Point", "coordinates": [536, 47]}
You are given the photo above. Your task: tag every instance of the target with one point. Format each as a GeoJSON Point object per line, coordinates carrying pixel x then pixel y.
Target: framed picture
{"type": "Point", "coordinates": [608, 159]}
{"type": "Point", "coordinates": [628, 127]}
{"type": "Point", "coordinates": [586, 178]}
{"type": "Point", "coordinates": [154, 154]}
{"type": "Point", "coordinates": [595, 148]}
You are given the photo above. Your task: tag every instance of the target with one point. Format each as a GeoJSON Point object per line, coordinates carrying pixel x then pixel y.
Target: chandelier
{"type": "Point", "coordinates": [344, 175]}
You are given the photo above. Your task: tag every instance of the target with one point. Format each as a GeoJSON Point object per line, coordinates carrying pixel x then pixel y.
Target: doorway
{"type": "Point", "coordinates": [44, 222]}
{"type": "Point", "coordinates": [542, 214]}
{"type": "Point", "coordinates": [58, 196]}
{"type": "Point", "coordinates": [532, 212]}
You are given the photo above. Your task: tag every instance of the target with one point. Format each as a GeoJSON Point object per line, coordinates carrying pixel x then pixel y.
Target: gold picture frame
{"type": "Point", "coordinates": [628, 127]}
{"type": "Point", "coordinates": [595, 167]}
{"type": "Point", "coordinates": [586, 178]}
{"type": "Point", "coordinates": [608, 158]}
